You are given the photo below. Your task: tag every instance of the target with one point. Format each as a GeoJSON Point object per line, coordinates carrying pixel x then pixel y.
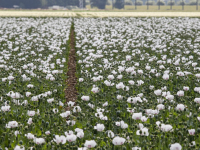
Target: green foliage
{"type": "Point", "coordinates": [31, 4]}
{"type": "Point", "coordinates": [22, 3]}
{"type": "Point", "coordinates": [101, 4]}
{"type": "Point", "coordinates": [171, 3]}
{"type": "Point", "coordinates": [181, 2]}
{"type": "Point", "coordinates": [138, 3]}
{"type": "Point", "coordinates": [108, 3]}
{"type": "Point", "coordinates": [44, 3]}
{"type": "Point", "coordinates": [193, 2]}
{"type": "Point", "coordinates": [119, 4]}
{"type": "Point", "coordinates": [161, 2]}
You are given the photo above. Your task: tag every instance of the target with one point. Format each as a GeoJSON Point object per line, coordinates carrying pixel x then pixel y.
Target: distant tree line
{"type": "Point", "coordinates": [102, 3]}
{"type": "Point", "coordinates": [31, 4]}
{"type": "Point", "coordinates": [120, 3]}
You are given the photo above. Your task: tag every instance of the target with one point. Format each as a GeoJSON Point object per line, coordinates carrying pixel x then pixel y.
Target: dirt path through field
{"type": "Point", "coordinates": [71, 92]}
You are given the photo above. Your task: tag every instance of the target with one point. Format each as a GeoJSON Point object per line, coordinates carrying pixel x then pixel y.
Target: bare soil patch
{"type": "Point", "coordinates": [71, 92]}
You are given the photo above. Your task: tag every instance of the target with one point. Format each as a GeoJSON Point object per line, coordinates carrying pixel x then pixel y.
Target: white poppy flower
{"type": "Point", "coordinates": [151, 87]}
{"type": "Point", "coordinates": [95, 90]}
{"type": "Point", "coordinates": [80, 134]}
{"type": "Point", "coordinates": [191, 131]}
{"type": "Point", "coordinates": [105, 104]}
{"type": "Point", "coordinates": [158, 92]}
{"type": "Point", "coordinates": [47, 132]}
{"type": "Point", "coordinates": [5, 108]}
{"type": "Point", "coordinates": [60, 139]}
{"type": "Point", "coordinates": [82, 148]}
{"type": "Point", "coordinates": [140, 82]}
{"type": "Point", "coordinates": [77, 109]}
{"type": "Point", "coordinates": [131, 82]}
{"type": "Point", "coordinates": [143, 132]}
{"type": "Point", "coordinates": [29, 136]}
{"type": "Point", "coordinates": [71, 138]}
{"type": "Point", "coordinates": [50, 100]}
{"type": "Point", "coordinates": [180, 93]}
{"type": "Point", "coordinates": [85, 98]}
{"type": "Point", "coordinates": [19, 148]}
{"type": "Point", "coordinates": [197, 75]}
{"type": "Point", "coordinates": [186, 88]}
{"type": "Point", "coordinates": [197, 100]}
{"type": "Point", "coordinates": [123, 125]}
{"type": "Point", "coordinates": [119, 76]}
{"type": "Point", "coordinates": [81, 79]}
{"type": "Point", "coordinates": [198, 119]}
{"type": "Point", "coordinates": [31, 113]}
{"type": "Point", "coordinates": [118, 140]}
{"type": "Point", "coordinates": [170, 97]}
{"type": "Point", "coordinates": [120, 85]}
{"type": "Point", "coordinates": [165, 77]}
{"type": "Point", "coordinates": [30, 121]}
{"type": "Point", "coordinates": [128, 58]}
{"type": "Point", "coordinates": [144, 119]}
{"type": "Point", "coordinates": [39, 141]}
{"type": "Point", "coordinates": [166, 128]}
{"type": "Point", "coordinates": [70, 103]}
{"type": "Point", "coordinates": [111, 77]}
{"type": "Point", "coordinates": [119, 97]}
{"type": "Point", "coordinates": [99, 127]}
{"type": "Point", "coordinates": [91, 105]}
{"type": "Point", "coordinates": [160, 106]}
{"type": "Point", "coordinates": [90, 144]}
{"type": "Point", "coordinates": [28, 94]}
{"type": "Point", "coordinates": [65, 114]}
{"type": "Point", "coordinates": [110, 134]}
{"type": "Point", "coordinates": [180, 107]}
{"type": "Point", "coordinates": [136, 148]}
{"type": "Point", "coordinates": [175, 146]}
{"type": "Point", "coordinates": [137, 116]}
{"type": "Point", "coordinates": [71, 122]}
{"type": "Point", "coordinates": [12, 124]}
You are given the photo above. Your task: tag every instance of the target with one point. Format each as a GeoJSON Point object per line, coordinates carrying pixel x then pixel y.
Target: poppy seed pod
{"type": "Point", "coordinates": [20, 142]}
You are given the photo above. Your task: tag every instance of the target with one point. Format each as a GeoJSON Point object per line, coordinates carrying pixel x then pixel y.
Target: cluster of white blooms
{"type": "Point", "coordinates": [33, 65]}
{"type": "Point", "coordinates": [133, 67]}
{"type": "Point", "coordinates": [137, 78]}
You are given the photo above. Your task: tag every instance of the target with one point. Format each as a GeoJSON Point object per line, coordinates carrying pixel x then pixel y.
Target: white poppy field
{"type": "Point", "coordinates": [48, 13]}
{"type": "Point", "coordinates": [138, 84]}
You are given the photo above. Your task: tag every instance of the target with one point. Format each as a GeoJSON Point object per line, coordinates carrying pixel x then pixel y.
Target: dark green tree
{"type": "Point", "coordinates": [30, 4]}
{"type": "Point", "coordinates": [119, 4]}
{"type": "Point", "coordinates": [9, 4]}
{"type": "Point", "coordinates": [101, 4]}
{"type": "Point", "coordinates": [51, 2]}
{"type": "Point", "coordinates": [73, 2]}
